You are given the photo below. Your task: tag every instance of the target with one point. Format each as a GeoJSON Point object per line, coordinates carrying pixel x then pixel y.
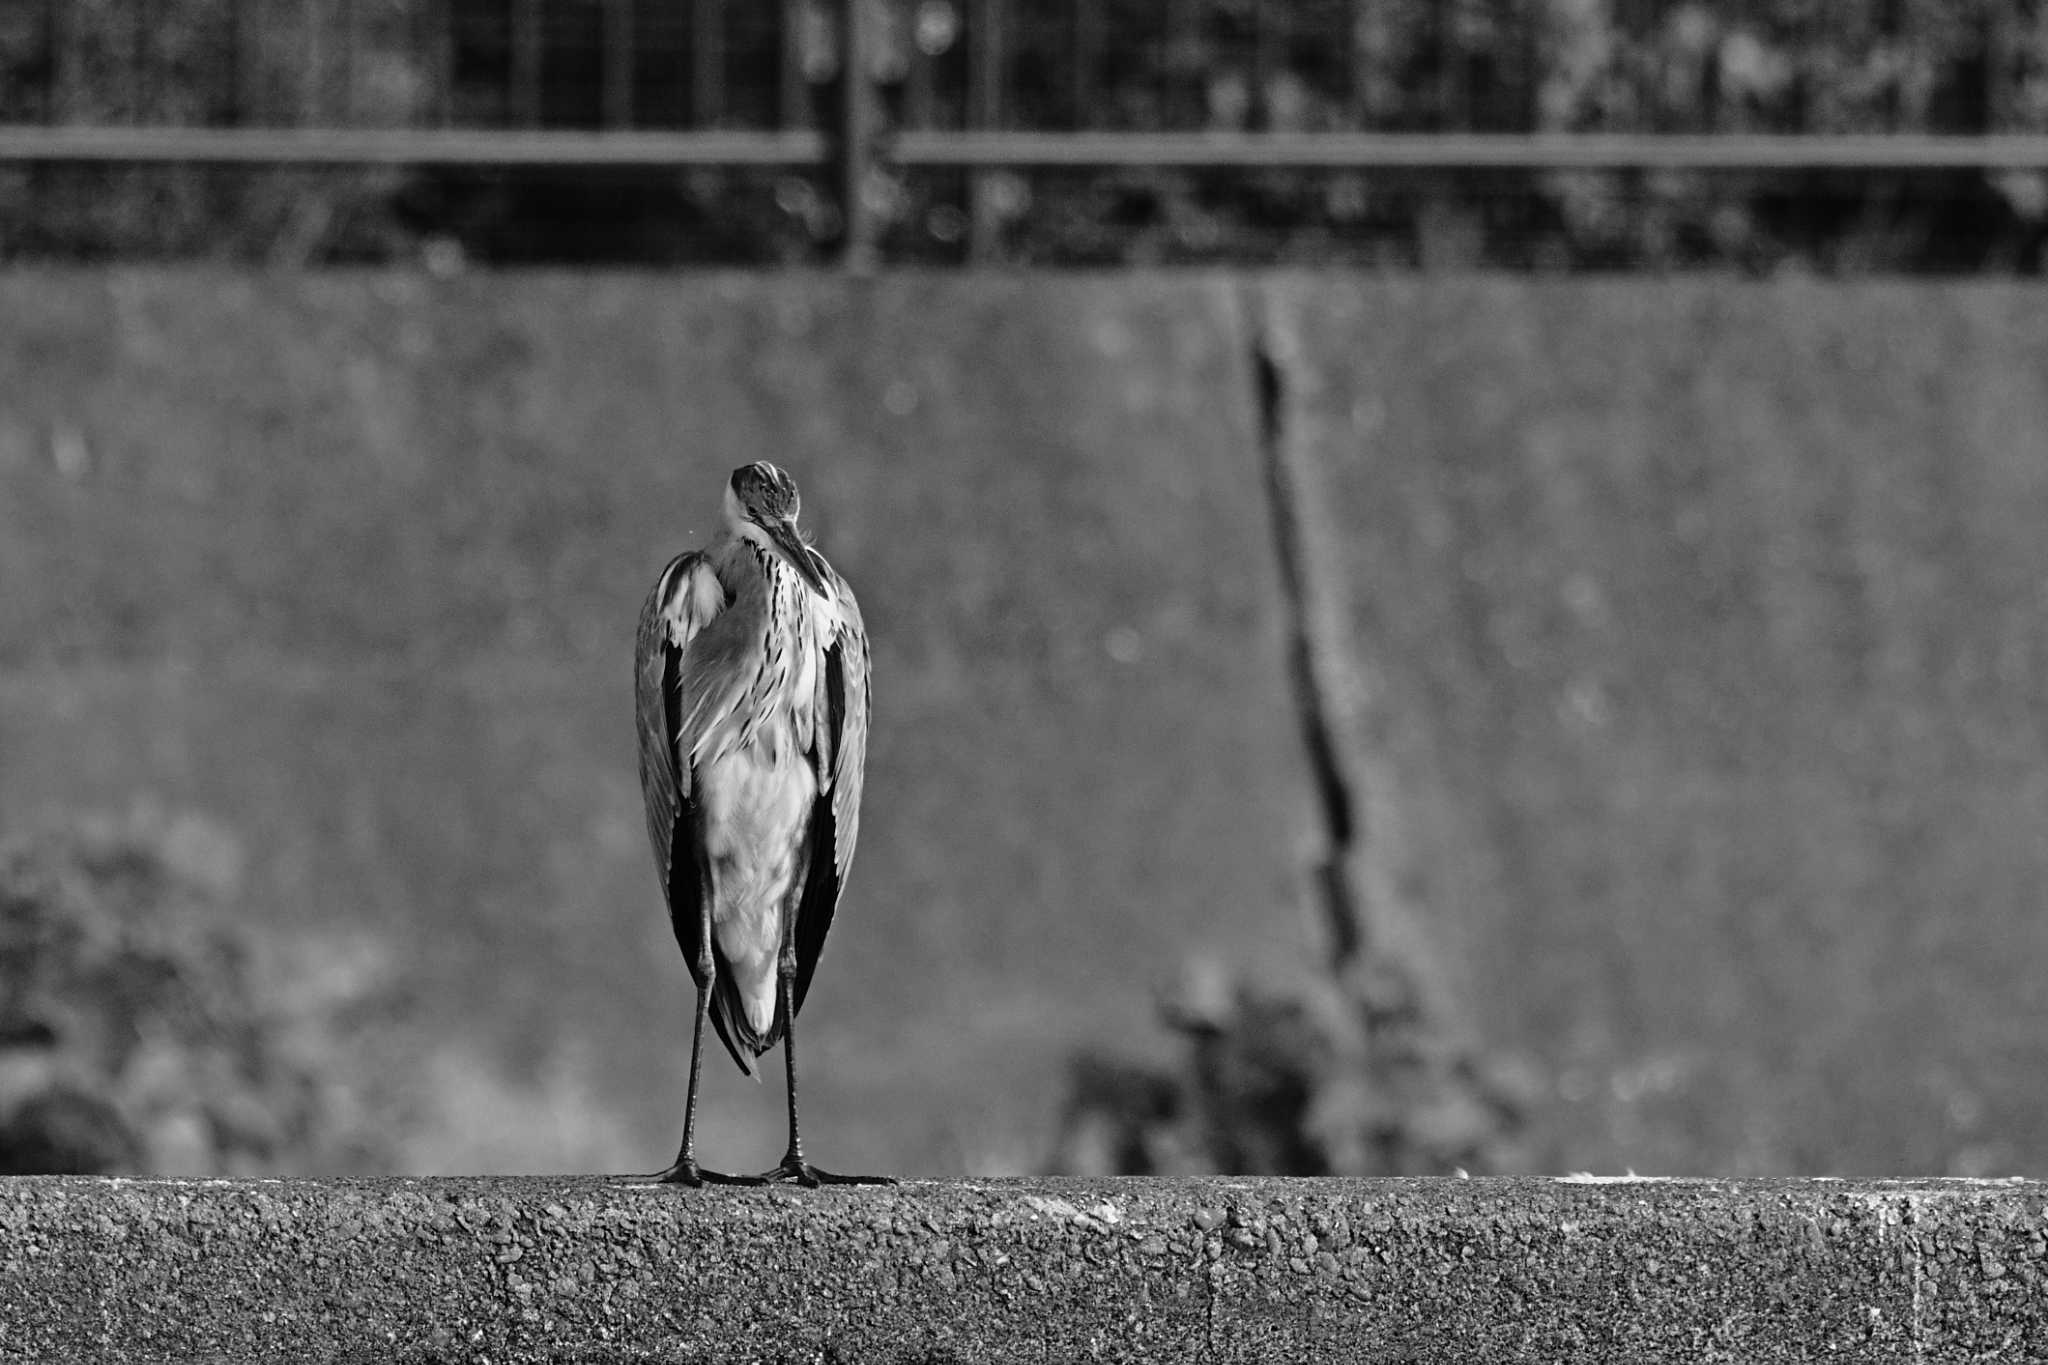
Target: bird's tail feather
{"type": "Point", "coordinates": [729, 1017]}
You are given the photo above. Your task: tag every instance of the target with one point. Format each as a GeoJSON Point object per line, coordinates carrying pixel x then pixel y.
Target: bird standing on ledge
{"type": "Point", "coordinates": [751, 679]}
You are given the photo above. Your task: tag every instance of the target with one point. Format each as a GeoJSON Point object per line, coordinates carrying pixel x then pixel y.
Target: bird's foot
{"type": "Point", "coordinates": [794, 1170]}
{"type": "Point", "coordinates": [688, 1172]}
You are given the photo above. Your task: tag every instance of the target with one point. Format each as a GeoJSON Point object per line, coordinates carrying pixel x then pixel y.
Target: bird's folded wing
{"type": "Point", "coordinates": [685, 599]}
{"type": "Point", "coordinates": [840, 752]}
{"type": "Point", "coordinates": [844, 682]}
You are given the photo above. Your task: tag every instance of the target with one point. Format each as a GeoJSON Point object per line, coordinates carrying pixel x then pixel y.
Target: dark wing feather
{"type": "Point", "coordinates": [840, 750]}
{"type": "Point", "coordinates": [684, 599]}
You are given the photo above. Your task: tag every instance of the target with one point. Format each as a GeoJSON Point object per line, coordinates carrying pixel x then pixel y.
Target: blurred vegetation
{"type": "Point", "coordinates": [1337, 1075]}
{"type": "Point", "coordinates": [1777, 66]}
{"type": "Point", "coordinates": [144, 1030]}
{"type": "Point", "coordinates": [205, 63]}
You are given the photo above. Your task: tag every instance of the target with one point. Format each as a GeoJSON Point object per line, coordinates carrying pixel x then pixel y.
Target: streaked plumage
{"type": "Point", "coordinates": [751, 683]}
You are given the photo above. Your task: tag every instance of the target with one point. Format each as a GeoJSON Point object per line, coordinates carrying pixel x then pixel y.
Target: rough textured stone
{"type": "Point", "coordinates": [1418, 1271]}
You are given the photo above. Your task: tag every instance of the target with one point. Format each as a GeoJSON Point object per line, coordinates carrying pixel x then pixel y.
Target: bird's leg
{"type": "Point", "coordinates": [793, 1166]}
{"type": "Point", "coordinates": [686, 1171]}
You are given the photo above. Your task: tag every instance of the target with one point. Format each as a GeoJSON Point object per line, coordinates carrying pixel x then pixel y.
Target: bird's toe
{"type": "Point", "coordinates": [696, 1177]}
{"type": "Point", "coordinates": [796, 1171]}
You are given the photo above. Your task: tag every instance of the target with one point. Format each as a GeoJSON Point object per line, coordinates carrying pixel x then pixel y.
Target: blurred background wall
{"type": "Point", "coordinates": [1681, 634]}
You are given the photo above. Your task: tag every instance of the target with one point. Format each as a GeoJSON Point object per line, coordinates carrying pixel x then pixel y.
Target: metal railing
{"type": "Point", "coordinates": [825, 107]}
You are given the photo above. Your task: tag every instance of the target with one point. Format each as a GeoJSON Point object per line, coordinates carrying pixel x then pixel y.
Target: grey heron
{"type": "Point", "coordinates": [751, 684]}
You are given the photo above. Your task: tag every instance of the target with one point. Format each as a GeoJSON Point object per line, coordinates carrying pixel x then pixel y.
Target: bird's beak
{"type": "Point", "coordinates": [782, 534]}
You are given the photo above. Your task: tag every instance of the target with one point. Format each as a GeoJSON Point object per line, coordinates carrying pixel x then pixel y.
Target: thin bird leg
{"type": "Point", "coordinates": [793, 1166]}
{"type": "Point", "coordinates": [686, 1171]}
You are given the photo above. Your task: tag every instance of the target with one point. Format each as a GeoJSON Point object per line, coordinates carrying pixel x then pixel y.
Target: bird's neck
{"type": "Point", "coordinates": [747, 558]}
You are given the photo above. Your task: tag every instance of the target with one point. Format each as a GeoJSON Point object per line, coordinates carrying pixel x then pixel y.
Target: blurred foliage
{"type": "Point", "coordinates": [1344, 1074]}
{"type": "Point", "coordinates": [1776, 66]}
{"type": "Point", "coordinates": [206, 63]}
{"type": "Point", "coordinates": [141, 1031]}
{"type": "Point", "coordinates": [1781, 66]}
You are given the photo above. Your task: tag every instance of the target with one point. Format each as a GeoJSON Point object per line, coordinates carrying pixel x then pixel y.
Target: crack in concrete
{"type": "Point", "coordinates": [1209, 1316]}
{"type": "Point", "coordinates": [1408, 1029]}
{"type": "Point", "coordinates": [1916, 1329]}
{"type": "Point", "coordinates": [1365, 907]}
{"type": "Point", "coordinates": [1312, 636]}
{"type": "Point", "coordinates": [1899, 1215]}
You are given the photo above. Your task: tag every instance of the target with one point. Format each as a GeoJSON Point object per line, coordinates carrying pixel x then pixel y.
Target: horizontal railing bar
{"type": "Point", "coordinates": [1473, 151]}
{"type": "Point", "coordinates": [1359, 151]}
{"type": "Point", "coordinates": [409, 146]}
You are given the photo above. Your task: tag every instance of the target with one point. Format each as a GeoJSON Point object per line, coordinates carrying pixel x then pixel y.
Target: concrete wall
{"type": "Point", "coordinates": [1712, 620]}
{"type": "Point", "coordinates": [1405, 1272]}
{"type": "Point", "coordinates": [1705, 620]}
{"type": "Point", "coordinates": [353, 562]}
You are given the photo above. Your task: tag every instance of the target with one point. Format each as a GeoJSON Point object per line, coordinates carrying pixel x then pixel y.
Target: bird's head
{"type": "Point", "coordinates": [761, 504]}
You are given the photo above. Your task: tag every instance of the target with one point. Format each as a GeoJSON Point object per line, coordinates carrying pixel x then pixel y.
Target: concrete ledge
{"type": "Point", "coordinates": [1385, 1271]}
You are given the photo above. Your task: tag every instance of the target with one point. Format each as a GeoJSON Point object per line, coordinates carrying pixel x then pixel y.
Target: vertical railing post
{"type": "Point", "coordinates": [1526, 112]}
{"type": "Point", "coordinates": [312, 109]}
{"type": "Point", "coordinates": [229, 108]}
{"type": "Point", "coordinates": [984, 114]}
{"type": "Point", "coordinates": [1086, 56]}
{"type": "Point", "coordinates": [1891, 27]}
{"type": "Point", "coordinates": [142, 75]}
{"type": "Point", "coordinates": [619, 63]}
{"type": "Point", "coordinates": [526, 63]}
{"type": "Point", "coordinates": [859, 120]}
{"type": "Point", "coordinates": [919, 99]}
{"type": "Point", "coordinates": [1268, 39]}
{"type": "Point", "coordinates": [437, 40]}
{"type": "Point", "coordinates": [348, 21]}
{"type": "Point", "coordinates": [1357, 108]}
{"type": "Point", "coordinates": [55, 68]}
{"type": "Point", "coordinates": [1453, 93]}
{"type": "Point", "coordinates": [2000, 25]}
{"type": "Point", "coordinates": [1183, 98]}
{"type": "Point", "coordinates": [795, 86]}
{"type": "Point", "coordinates": [707, 63]}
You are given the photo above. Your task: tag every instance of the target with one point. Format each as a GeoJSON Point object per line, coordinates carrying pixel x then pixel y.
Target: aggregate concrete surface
{"type": "Point", "coordinates": [1398, 1272]}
